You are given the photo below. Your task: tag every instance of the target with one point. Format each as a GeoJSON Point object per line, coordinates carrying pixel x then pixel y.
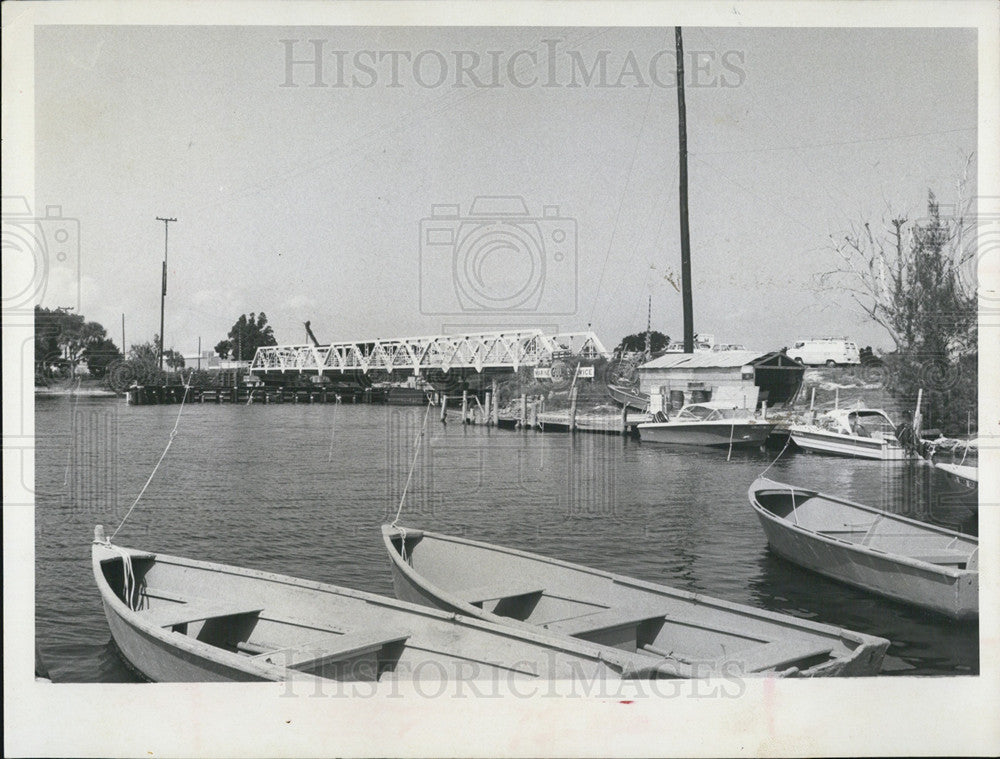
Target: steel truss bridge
{"type": "Point", "coordinates": [508, 350]}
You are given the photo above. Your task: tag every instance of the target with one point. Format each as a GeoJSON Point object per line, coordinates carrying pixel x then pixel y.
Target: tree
{"type": "Point", "coordinates": [913, 278]}
{"type": "Point", "coordinates": [64, 339]}
{"type": "Point", "coordinates": [249, 333]}
{"type": "Point", "coordinates": [99, 355]}
{"type": "Point", "coordinates": [173, 359]}
{"type": "Point", "coordinates": [637, 342]}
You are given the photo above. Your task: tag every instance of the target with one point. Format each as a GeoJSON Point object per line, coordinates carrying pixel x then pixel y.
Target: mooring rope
{"type": "Point", "coordinates": [173, 434]}
{"type": "Point", "coordinates": [413, 463]}
{"type": "Point", "coordinates": [787, 442]}
{"type": "Point", "coordinates": [409, 476]}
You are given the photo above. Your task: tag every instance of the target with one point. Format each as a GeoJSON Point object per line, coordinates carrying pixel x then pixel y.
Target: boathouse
{"type": "Point", "coordinates": [745, 378]}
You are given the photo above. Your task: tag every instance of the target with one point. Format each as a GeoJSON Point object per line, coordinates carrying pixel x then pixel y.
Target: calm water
{"type": "Point", "coordinates": [302, 490]}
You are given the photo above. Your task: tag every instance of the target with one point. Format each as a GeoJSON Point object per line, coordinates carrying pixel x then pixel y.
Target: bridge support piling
{"type": "Point", "coordinates": [495, 408]}
{"type": "Point", "coordinates": [444, 408]}
{"type": "Point", "coordinates": [524, 410]}
{"type": "Point", "coordinates": [465, 407]}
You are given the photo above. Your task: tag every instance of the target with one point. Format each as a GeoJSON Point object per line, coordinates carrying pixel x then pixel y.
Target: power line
{"type": "Point", "coordinates": [810, 146]}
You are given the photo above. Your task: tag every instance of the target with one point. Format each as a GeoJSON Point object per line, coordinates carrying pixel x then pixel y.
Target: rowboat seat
{"type": "Point", "coordinates": [946, 558]}
{"type": "Point", "coordinates": [498, 590]}
{"type": "Point", "coordinates": [604, 620]}
{"type": "Point", "coordinates": [196, 611]}
{"type": "Point", "coordinates": [776, 655]}
{"type": "Point", "coordinates": [349, 645]}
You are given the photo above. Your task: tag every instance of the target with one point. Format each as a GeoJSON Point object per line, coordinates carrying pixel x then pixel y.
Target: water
{"type": "Point", "coordinates": [302, 490]}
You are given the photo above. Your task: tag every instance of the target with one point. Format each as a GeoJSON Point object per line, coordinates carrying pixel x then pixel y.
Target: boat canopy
{"type": "Point", "coordinates": [862, 422]}
{"type": "Point", "coordinates": [709, 412]}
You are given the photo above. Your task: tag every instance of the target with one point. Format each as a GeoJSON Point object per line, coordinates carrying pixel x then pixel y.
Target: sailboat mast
{"type": "Point", "coordinates": [685, 235]}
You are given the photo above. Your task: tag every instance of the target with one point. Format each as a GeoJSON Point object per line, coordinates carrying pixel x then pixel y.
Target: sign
{"type": "Point", "coordinates": [586, 372]}
{"type": "Point", "coordinates": [543, 372]}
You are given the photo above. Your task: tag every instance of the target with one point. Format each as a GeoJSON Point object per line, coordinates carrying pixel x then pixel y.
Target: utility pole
{"type": "Point", "coordinates": [163, 295]}
{"type": "Point", "coordinates": [649, 323]}
{"type": "Point", "coordinates": [685, 235]}
{"type": "Point", "coordinates": [199, 353]}
{"type": "Point", "coordinates": [124, 352]}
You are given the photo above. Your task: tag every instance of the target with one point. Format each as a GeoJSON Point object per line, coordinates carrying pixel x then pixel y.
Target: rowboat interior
{"type": "Point", "coordinates": [877, 530]}
{"type": "Point", "coordinates": [700, 633]}
{"type": "Point", "coordinates": [202, 621]}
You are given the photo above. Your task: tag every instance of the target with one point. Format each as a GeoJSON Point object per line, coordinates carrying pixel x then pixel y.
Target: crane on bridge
{"type": "Point", "coordinates": [312, 337]}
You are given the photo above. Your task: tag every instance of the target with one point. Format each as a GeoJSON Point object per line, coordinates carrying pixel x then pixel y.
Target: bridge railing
{"type": "Point", "coordinates": [479, 351]}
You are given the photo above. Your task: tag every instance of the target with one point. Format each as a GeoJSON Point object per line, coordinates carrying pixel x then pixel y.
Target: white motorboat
{"type": "Point", "coordinates": [866, 433]}
{"type": "Point", "coordinates": [711, 423]}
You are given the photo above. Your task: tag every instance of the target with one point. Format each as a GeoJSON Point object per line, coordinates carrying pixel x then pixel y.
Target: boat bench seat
{"type": "Point", "coordinates": [776, 655]}
{"type": "Point", "coordinates": [604, 620]}
{"type": "Point", "coordinates": [196, 611]}
{"type": "Point", "coordinates": [944, 557]}
{"type": "Point", "coordinates": [344, 646]}
{"type": "Point", "coordinates": [496, 591]}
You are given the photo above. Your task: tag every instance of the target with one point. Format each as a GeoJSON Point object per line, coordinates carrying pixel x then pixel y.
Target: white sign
{"type": "Point", "coordinates": [586, 372]}
{"type": "Point", "coordinates": [543, 373]}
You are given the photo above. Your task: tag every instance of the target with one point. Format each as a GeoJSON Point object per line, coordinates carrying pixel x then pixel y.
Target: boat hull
{"type": "Point", "coordinates": [720, 435]}
{"type": "Point", "coordinates": [158, 660]}
{"type": "Point", "coordinates": [623, 614]}
{"type": "Point", "coordinates": [822, 441]}
{"type": "Point", "coordinates": [947, 591]}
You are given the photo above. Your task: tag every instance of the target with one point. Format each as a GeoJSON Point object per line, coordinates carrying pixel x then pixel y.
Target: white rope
{"type": "Point", "coordinates": [732, 431]}
{"type": "Point", "coordinates": [413, 463]}
{"type": "Point", "coordinates": [789, 440]}
{"type": "Point", "coordinates": [173, 434]}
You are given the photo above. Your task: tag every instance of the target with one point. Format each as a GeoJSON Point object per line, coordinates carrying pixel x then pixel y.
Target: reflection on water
{"type": "Point", "coordinates": [302, 490]}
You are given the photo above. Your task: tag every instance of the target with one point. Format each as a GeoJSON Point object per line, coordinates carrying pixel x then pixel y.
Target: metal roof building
{"type": "Point", "coordinates": [745, 378]}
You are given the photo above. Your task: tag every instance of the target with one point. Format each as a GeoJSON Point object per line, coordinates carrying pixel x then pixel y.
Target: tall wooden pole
{"type": "Point", "coordinates": [163, 294]}
{"type": "Point", "coordinates": [685, 235]}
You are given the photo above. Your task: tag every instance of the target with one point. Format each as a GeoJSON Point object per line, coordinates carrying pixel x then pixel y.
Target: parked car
{"type": "Point", "coordinates": [829, 351]}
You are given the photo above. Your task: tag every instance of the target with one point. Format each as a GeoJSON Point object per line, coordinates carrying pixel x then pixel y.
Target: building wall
{"type": "Point", "coordinates": [726, 384]}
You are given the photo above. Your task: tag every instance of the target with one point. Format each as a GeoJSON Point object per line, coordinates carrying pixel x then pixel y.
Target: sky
{"type": "Point", "coordinates": [315, 202]}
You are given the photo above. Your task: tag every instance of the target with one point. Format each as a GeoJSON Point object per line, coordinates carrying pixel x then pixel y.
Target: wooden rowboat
{"type": "Point", "coordinates": [181, 620]}
{"type": "Point", "coordinates": [891, 555]}
{"type": "Point", "coordinates": [629, 397]}
{"type": "Point", "coordinates": [702, 635]}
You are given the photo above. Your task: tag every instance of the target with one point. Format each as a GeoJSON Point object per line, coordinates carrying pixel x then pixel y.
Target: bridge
{"type": "Point", "coordinates": [508, 350]}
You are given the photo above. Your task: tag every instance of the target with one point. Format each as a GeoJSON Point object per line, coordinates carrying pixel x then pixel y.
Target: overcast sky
{"type": "Point", "coordinates": [306, 202]}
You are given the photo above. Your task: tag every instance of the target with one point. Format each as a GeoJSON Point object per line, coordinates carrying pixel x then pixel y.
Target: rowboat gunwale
{"type": "Point", "coordinates": [789, 622]}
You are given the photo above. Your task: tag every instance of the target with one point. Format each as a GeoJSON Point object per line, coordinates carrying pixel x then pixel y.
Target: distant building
{"type": "Point", "coordinates": [210, 360]}
{"type": "Point", "coordinates": [742, 377]}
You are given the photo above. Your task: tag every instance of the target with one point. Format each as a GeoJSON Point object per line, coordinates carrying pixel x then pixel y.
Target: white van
{"type": "Point", "coordinates": [830, 351]}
